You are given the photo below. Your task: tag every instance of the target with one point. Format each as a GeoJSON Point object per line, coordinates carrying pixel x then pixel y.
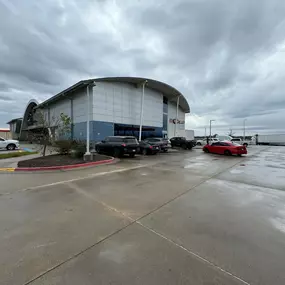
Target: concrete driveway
{"type": "Point", "coordinates": [178, 218]}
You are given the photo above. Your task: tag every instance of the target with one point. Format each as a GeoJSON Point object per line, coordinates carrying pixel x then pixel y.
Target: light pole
{"type": "Point", "coordinates": [244, 129]}
{"type": "Point", "coordinates": [87, 155]}
{"type": "Point", "coordinates": [142, 103]}
{"type": "Point", "coordinates": [176, 119]}
{"type": "Point", "coordinates": [211, 128]}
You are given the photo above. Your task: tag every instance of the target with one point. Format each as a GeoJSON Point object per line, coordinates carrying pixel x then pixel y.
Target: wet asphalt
{"type": "Point", "coordinates": [180, 218]}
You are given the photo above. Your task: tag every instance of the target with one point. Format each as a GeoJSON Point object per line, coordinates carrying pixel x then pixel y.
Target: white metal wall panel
{"type": "Point", "coordinates": [121, 103]}
{"type": "Point", "coordinates": [79, 107]}
{"type": "Point", "coordinates": [62, 106]}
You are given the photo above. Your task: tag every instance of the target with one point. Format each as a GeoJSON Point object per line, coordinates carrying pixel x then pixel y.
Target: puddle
{"type": "Point", "coordinates": [236, 171]}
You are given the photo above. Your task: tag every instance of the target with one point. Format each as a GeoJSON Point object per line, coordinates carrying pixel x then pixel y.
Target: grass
{"type": "Point", "coordinates": [16, 154]}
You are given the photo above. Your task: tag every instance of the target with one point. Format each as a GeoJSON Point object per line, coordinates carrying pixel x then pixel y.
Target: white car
{"type": "Point", "coordinates": [9, 144]}
{"type": "Point", "coordinates": [204, 141]}
{"type": "Point", "coordinates": [240, 141]}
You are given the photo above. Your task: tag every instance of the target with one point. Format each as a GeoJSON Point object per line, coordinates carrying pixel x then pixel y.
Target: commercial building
{"type": "Point", "coordinates": [112, 106]}
{"type": "Point", "coordinates": [15, 128]}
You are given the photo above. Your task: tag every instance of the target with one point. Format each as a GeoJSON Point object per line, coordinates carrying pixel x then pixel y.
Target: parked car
{"type": "Point", "coordinates": [118, 146]}
{"type": "Point", "coordinates": [182, 142]}
{"type": "Point", "coordinates": [146, 148]}
{"type": "Point", "coordinates": [204, 141]}
{"type": "Point", "coordinates": [161, 142]}
{"type": "Point", "coordinates": [227, 148]}
{"type": "Point", "coordinates": [9, 144]}
{"type": "Point", "coordinates": [240, 141]}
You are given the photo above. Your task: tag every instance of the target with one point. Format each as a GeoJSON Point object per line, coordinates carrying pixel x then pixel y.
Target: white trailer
{"type": "Point", "coordinates": [278, 139]}
{"type": "Point", "coordinates": [189, 135]}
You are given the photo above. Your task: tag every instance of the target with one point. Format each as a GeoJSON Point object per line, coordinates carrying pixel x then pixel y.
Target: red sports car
{"type": "Point", "coordinates": [227, 148]}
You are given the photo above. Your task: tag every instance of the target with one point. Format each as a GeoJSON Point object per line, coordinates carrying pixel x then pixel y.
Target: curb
{"type": "Point", "coordinates": [62, 167]}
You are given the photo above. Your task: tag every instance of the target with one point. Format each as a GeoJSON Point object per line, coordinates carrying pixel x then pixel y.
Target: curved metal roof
{"type": "Point", "coordinates": [168, 91]}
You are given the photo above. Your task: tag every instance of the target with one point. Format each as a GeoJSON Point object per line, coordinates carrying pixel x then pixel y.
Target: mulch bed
{"type": "Point", "coordinates": [57, 160]}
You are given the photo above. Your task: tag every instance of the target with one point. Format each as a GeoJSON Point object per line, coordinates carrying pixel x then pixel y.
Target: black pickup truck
{"type": "Point", "coordinates": [182, 142]}
{"type": "Point", "coordinates": [118, 146]}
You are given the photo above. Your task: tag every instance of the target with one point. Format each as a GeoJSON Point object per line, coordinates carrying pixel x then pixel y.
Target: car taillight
{"type": "Point", "coordinates": [124, 145]}
{"type": "Point", "coordinates": [150, 146]}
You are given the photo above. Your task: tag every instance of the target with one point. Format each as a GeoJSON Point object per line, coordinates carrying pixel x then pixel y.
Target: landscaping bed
{"type": "Point", "coordinates": [58, 160]}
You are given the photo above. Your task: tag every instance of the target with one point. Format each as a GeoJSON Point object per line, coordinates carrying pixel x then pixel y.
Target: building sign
{"type": "Point", "coordinates": [176, 121]}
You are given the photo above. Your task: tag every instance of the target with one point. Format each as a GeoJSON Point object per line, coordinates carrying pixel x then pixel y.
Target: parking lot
{"type": "Point", "coordinates": [179, 218]}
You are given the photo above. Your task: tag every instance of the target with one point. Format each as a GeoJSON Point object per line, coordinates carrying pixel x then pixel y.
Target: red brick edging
{"type": "Point", "coordinates": [63, 167]}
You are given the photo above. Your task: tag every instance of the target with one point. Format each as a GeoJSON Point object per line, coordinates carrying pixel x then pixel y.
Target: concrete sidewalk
{"type": "Point", "coordinates": [13, 162]}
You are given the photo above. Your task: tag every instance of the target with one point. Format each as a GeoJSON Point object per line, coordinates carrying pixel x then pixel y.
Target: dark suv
{"type": "Point", "coordinates": [182, 142]}
{"type": "Point", "coordinates": [118, 146]}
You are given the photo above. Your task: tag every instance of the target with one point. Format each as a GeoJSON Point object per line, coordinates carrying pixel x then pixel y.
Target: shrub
{"type": "Point", "coordinates": [64, 147]}
{"type": "Point", "coordinates": [78, 149]}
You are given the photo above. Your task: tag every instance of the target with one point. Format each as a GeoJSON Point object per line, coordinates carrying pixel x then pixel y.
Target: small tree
{"type": "Point", "coordinates": [49, 128]}
{"type": "Point", "coordinates": [64, 126]}
{"type": "Point", "coordinates": [230, 132]}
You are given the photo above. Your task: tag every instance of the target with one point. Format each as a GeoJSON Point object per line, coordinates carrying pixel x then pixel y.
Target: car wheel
{"type": "Point", "coordinates": [227, 152]}
{"type": "Point", "coordinates": [117, 152]}
{"type": "Point", "coordinates": [239, 154]}
{"type": "Point", "coordinates": [198, 143]}
{"type": "Point", "coordinates": [245, 144]}
{"type": "Point", "coordinates": [132, 155]}
{"type": "Point", "coordinates": [206, 150]}
{"type": "Point", "coordinates": [11, 147]}
{"type": "Point", "coordinates": [144, 151]}
{"type": "Point", "coordinates": [184, 146]}
{"type": "Point", "coordinates": [165, 150]}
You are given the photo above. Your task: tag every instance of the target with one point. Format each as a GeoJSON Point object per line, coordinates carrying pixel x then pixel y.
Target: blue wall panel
{"type": "Point", "coordinates": [100, 130]}
{"type": "Point", "coordinates": [79, 131]}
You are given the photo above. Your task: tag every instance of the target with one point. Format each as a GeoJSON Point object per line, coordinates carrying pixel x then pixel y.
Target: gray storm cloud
{"type": "Point", "coordinates": [225, 56]}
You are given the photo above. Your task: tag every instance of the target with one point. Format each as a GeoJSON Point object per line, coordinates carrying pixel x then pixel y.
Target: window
{"type": "Point", "coordinates": [131, 140]}
{"type": "Point", "coordinates": [235, 140]}
{"type": "Point", "coordinates": [2, 140]}
{"type": "Point", "coordinates": [114, 139]}
{"type": "Point", "coordinates": [225, 144]}
{"type": "Point", "coordinates": [216, 144]}
{"type": "Point", "coordinates": [164, 121]}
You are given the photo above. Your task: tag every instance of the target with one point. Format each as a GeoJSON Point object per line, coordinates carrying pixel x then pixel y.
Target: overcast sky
{"type": "Point", "coordinates": [226, 56]}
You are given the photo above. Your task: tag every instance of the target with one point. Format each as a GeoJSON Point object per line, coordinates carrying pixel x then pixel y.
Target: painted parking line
{"type": "Point", "coordinates": [9, 169]}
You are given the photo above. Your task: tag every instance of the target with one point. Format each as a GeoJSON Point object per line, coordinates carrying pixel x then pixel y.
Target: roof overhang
{"type": "Point", "coordinates": [168, 91]}
{"type": "Point", "coordinates": [14, 120]}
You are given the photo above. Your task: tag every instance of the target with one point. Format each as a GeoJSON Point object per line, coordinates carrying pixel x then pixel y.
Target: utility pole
{"type": "Point", "coordinates": [244, 129]}
{"type": "Point", "coordinates": [211, 128]}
